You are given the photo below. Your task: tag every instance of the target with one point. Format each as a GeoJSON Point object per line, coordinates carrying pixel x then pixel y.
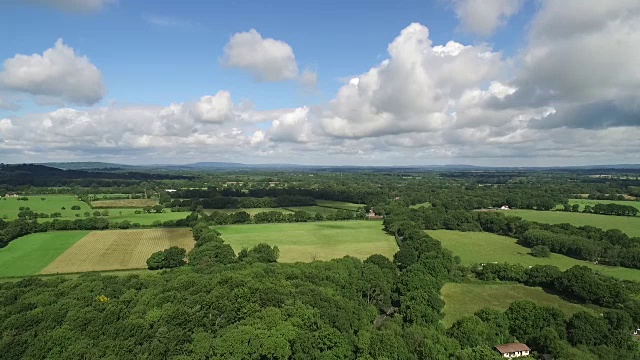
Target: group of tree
{"type": "Point", "coordinates": [547, 330]}
{"type": "Point", "coordinates": [217, 201]}
{"type": "Point", "coordinates": [579, 283]}
{"type": "Point", "coordinates": [149, 209]}
{"type": "Point", "coordinates": [612, 209]}
{"type": "Point", "coordinates": [29, 214]}
{"type": "Point", "coordinates": [167, 259]}
{"type": "Point", "coordinates": [603, 196]}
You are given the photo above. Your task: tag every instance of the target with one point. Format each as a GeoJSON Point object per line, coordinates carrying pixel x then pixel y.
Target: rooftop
{"type": "Point", "coordinates": [512, 347]}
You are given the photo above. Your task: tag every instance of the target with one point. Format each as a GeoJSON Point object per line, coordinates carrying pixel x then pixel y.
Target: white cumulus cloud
{"type": "Point", "coordinates": [214, 109]}
{"type": "Point", "coordinates": [266, 59]}
{"type": "Point", "coordinates": [58, 75]}
{"type": "Point", "coordinates": [416, 89]}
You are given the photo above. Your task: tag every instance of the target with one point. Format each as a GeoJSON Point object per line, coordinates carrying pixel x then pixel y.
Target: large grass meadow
{"type": "Point", "coordinates": [30, 254]}
{"type": "Point", "coordinates": [482, 247]}
{"type": "Point", "coordinates": [464, 299]}
{"type": "Point", "coordinates": [10, 207]}
{"type": "Point", "coordinates": [628, 224]}
{"type": "Point", "coordinates": [315, 240]}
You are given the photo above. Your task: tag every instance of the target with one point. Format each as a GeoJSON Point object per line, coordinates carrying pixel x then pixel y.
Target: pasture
{"type": "Point", "coordinates": [10, 207]}
{"type": "Point", "coordinates": [117, 249]}
{"type": "Point", "coordinates": [313, 241]}
{"type": "Point", "coordinates": [313, 209]}
{"type": "Point", "coordinates": [482, 247]}
{"type": "Point", "coordinates": [629, 225]}
{"type": "Point", "coordinates": [465, 299]}
{"type": "Point", "coordinates": [339, 205]}
{"type": "Point", "coordinates": [123, 203]}
{"type": "Point", "coordinates": [251, 211]}
{"type": "Point", "coordinates": [30, 254]}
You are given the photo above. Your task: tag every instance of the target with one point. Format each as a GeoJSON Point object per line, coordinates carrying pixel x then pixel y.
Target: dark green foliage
{"type": "Point", "coordinates": [543, 275]}
{"type": "Point", "coordinates": [615, 209]}
{"type": "Point", "coordinates": [156, 260]}
{"type": "Point", "coordinates": [477, 353]}
{"type": "Point", "coordinates": [540, 251]}
{"type": "Point", "coordinates": [212, 253]}
{"type": "Point", "coordinates": [469, 331]}
{"type": "Point", "coordinates": [586, 329]}
{"type": "Point", "coordinates": [260, 253]}
{"type": "Point", "coordinates": [167, 259]}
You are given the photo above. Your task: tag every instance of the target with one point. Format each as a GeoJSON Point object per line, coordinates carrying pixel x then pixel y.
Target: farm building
{"type": "Point", "coordinates": [371, 215]}
{"type": "Point", "coordinates": [513, 350]}
{"type": "Point", "coordinates": [11, 195]}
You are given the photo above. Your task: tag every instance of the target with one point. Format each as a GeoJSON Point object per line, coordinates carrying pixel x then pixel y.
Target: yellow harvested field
{"type": "Point", "coordinates": [123, 203]}
{"type": "Point", "coordinates": [118, 249]}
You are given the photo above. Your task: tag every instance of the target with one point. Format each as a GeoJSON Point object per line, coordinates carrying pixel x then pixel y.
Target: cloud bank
{"type": "Point", "coordinates": [570, 96]}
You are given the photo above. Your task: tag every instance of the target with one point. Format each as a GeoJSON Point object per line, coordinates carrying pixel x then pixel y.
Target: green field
{"type": "Point", "coordinates": [482, 247]}
{"type": "Point", "coordinates": [251, 211]}
{"type": "Point", "coordinates": [32, 253]}
{"type": "Point", "coordinates": [314, 241]}
{"type": "Point", "coordinates": [143, 219]}
{"type": "Point", "coordinates": [583, 202]}
{"type": "Point", "coordinates": [339, 205]}
{"type": "Point", "coordinates": [108, 196]}
{"type": "Point", "coordinates": [313, 209]}
{"type": "Point", "coordinates": [426, 204]}
{"type": "Point", "coordinates": [465, 299]}
{"type": "Point", "coordinates": [630, 225]}
{"type": "Point", "coordinates": [10, 207]}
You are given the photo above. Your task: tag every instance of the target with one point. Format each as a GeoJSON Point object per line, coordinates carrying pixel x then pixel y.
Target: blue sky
{"type": "Point", "coordinates": [147, 56]}
{"type": "Point", "coordinates": [177, 58]}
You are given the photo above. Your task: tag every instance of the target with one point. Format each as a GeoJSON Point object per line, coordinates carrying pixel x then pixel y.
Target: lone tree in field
{"type": "Point", "coordinates": [540, 251]}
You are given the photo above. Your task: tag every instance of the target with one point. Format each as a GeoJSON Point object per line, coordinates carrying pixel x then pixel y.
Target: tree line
{"type": "Point", "coordinates": [612, 209]}
{"type": "Point", "coordinates": [609, 247]}
{"type": "Point", "coordinates": [229, 202]}
{"type": "Point", "coordinates": [11, 230]}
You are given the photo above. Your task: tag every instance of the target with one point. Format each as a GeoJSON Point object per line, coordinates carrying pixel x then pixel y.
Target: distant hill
{"type": "Point", "coordinates": [213, 165]}
{"type": "Point", "coordinates": [90, 165]}
{"type": "Point", "coordinates": [40, 175]}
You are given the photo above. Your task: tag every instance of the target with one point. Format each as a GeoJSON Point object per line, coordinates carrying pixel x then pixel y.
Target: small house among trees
{"type": "Point", "coordinates": [11, 195]}
{"type": "Point", "coordinates": [513, 350]}
{"type": "Point", "coordinates": [371, 215]}
{"type": "Point", "coordinates": [505, 207]}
